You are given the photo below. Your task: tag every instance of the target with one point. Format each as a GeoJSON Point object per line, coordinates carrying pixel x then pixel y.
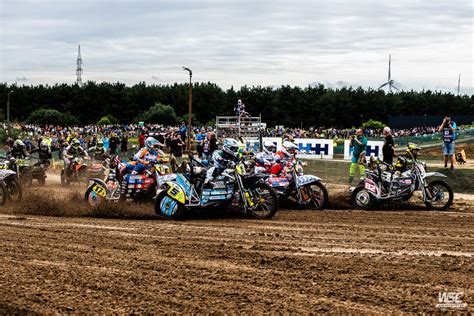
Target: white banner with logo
{"type": "Point", "coordinates": [314, 148]}
{"type": "Point", "coordinates": [373, 148]}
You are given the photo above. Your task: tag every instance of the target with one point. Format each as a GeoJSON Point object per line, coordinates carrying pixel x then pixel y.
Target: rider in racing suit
{"type": "Point", "coordinates": [266, 158]}
{"type": "Point", "coordinates": [146, 155]}
{"type": "Point", "coordinates": [284, 157]}
{"type": "Point", "coordinates": [44, 152]}
{"type": "Point", "coordinates": [18, 150]}
{"type": "Point", "coordinates": [73, 150]}
{"type": "Point", "coordinates": [99, 152]}
{"type": "Point", "coordinates": [230, 152]}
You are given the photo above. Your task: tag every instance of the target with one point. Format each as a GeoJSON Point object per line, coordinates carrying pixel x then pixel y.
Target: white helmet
{"type": "Point", "coordinates": [288, 148]}
{"type": "Point", "coordinates": [231, 146]}
{"type": "Point", "coordinates": [18, 144]}
{"type": "Point", "coordinates": [269, 147]}
{"type": "Point", "coordinates": [44, 145]}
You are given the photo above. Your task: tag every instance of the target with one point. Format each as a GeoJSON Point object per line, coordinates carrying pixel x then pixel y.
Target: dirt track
{"type": "Point", "coordinates": [301, 261]}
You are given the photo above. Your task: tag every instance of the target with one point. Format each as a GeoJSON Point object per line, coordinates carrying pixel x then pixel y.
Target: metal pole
{"type": "Point", "coordinates": [190, 107]}
{"type": "Point", "coordinates": [8, 107]}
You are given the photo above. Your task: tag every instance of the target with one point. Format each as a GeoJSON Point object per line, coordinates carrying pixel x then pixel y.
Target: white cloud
{"type": "Point", "coordinates": [239, 42]}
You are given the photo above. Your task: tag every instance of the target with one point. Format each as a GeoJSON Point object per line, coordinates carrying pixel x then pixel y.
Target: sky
{"type": "Point", "coordinates": [245, 42]}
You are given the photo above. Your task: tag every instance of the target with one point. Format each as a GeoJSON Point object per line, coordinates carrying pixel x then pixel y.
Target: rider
{"type": "Point", "coordinates": [18, 151]}
{"type": "Point", "coordinates": [230, 152]}
{"type": "Point", "coordinates": [73, 150]}
{"type": "Point", "coordinates": [99, 152]}
{"type": "Point", "coordinates": [404, 162]}
{"type": "Point", "coordinates": [284, 157]}
{"type": "Point", "coordinates": [146, 155]}
{"type": "Point", "coordinates": [44, 152]}
{"type": "Point", "coordinates": [266, 158]}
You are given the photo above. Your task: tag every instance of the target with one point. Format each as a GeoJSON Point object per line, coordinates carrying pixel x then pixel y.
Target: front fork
{"type": "Point", "coordinates": [246, 195]}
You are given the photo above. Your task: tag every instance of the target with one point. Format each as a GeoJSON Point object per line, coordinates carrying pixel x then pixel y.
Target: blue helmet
{"type": "Point", "coordinates": [152, 145]}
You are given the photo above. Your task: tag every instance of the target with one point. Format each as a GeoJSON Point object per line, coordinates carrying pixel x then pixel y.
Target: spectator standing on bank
{"type": "Point", "coordinates": [448, 130]}
{"type": "Point", "coordinates": [206, 147]}
{"type": "Point", "coordinates": [141, 140]}
{"type": "Point", "coordinates": [182, 131]}
{"type": "Point", "coordinates": [199, 141]}
{"type": "Point", "coordinates": [124, 143]}
{"type": "Point", "coordinates": [177, 145]}
{"type": "Point", "coordinates": [388, 149]}
{"type": "Point", "coordinates": [106, 142]}
{"type": "Point", "coordinates": [114, 141]}
{"type": "Point", "coordinates": [212, 143]}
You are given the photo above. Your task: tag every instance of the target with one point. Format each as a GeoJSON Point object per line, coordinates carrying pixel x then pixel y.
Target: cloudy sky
{"type": "Point", "coordinates": [251, 42]}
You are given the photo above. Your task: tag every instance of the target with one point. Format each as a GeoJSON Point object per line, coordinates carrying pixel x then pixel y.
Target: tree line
{"type": "Point", "coordinates": [290, 106]}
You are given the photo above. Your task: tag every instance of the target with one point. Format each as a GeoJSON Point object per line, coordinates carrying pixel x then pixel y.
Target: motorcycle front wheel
{"type": "Point", "coordinates": [64, 179]}
{"type": "Point", "coordinates": [15, 191]}
{"type": "Point", "coordinates": [265, 199]}
{"type": "Point", "coordinates": [3, 193]}
{"type": "Point", "coordinates": [442, 196]}
{"type": "Point", "coordinates": [319, 196]}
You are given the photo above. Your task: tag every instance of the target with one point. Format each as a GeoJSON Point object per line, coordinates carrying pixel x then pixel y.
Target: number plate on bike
{"type": "Point", "coordinates": [3, 166]}
{"type": "Point", "coordinates": [99, 190]}
{"type": "Point", "coordinates": [422, 169]}
{"type": "Point", "coordinates": [370, 187]}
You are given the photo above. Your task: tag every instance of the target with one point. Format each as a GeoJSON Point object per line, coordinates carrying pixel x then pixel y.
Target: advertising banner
{"type": "Point", "coordinates": [374, 148]}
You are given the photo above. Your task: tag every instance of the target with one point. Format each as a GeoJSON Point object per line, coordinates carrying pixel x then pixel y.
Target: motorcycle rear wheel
{"type": "Point", "coordinates": [361, 199]}
{"type": "Point", "coordinates": [15, 191]}
{"type": "Point", "coordinates": [92, 198]}
{"type": "Point", "coordinates": [439, 189]}
{"type": "Point", "coordinates": [167, 207]}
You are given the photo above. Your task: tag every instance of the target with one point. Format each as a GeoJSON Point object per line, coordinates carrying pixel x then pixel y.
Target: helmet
{"type": "Point", "coordinates": [44, 145]}
{"type": "Point", "coordinates": [239, 101]}
{"type": "Point", "coordinates": [231, 147]}
{"type": "Point", "coordinates": [75, 143]}
{"type": "Point", "coordinates": [412, 150]}
{"type": "Point", "coordinates": [288, 148]}
{"type": "Point", "coordinates": [152, 145]}
{"type": "Point", "coordinates": [18, 144]}
{"type": "Point", "coordinates": [100, 144]}
{"type": "Point", "coordinates": [269, 147]}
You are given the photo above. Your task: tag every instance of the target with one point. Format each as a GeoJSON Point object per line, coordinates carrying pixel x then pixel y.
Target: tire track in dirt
{"type": "Point", "coordinates": [358, 262]}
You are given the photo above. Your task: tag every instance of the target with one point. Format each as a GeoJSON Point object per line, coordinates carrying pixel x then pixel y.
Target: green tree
{"type": "Point", "coordinates": [45, 116]}
{"type": "Point", "coordinates": [373, 124]}
{"type": "Point", "coordinates": [106, 120]}
{"type": "Point", "coordinates": [159, 113]}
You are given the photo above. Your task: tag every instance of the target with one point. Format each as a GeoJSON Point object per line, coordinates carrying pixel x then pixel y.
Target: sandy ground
{"type": "Point", "coordinates": [381, 262]}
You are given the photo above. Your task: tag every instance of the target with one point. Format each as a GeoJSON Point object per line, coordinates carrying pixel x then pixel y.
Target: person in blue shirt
{"type": "Point", "coordinates": [199, 140]}
{"type": "Point", "coordinates": [106, 142]}
{"type": "Point", "coordinates": [182, 131]}
{"type": "Point", "coordinates": [448, 130]}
